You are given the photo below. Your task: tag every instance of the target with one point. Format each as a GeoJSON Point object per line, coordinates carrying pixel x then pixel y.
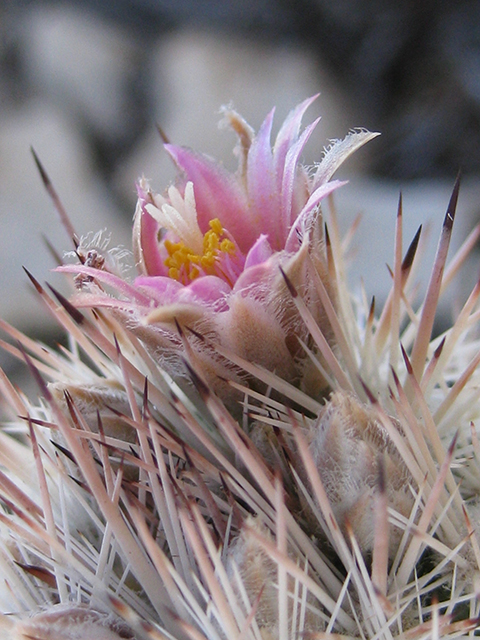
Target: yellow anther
{"type": "Point", "coordinates": [182, 261]}
{"type": "Point", "coordinates": [170, 247]}
{"type": "Point", "coordinates": [207, 261]}
{"type": "Point", "coordinates": [174, 273]}
{"type": "Point", "coordinates": [227, 246]}
{"type": "Point", "coordinates": [216, 226]}
{"type": "Point", "coordinates": [210, 241]}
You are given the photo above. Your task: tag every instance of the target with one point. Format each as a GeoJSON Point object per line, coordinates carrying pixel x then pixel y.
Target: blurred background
{"type": "Point", "coordinates": [86, 83]}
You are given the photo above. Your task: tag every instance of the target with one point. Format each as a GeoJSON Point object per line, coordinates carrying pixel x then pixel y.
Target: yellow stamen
{"type": "Point", "coordinates": [183, 263]}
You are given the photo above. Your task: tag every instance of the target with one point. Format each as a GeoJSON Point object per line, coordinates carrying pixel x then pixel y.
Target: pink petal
{"type": "Point", "coordinates": [145, 239]}
{"type": "Point", "coordinates": [288, 134]}
{"type": "Point", "coordinates": [290, 174]}
{"type": "Point", "coordinates": [218, 194]}
{"type": "Point", "coordinates": [102, 300]}
{"type": "Point", "coordinates": [264, 197]}
{"type": "Point", "coordinates": [251, 278]}
{"type": "Point", "coordinates": [207, 289]}
{"type": "Point", "coordinates": [260, 252]}
{"type": "Point", "coordinates": [107, 278]}
{"type": "Point", "coordinates": [301, 222]}
{"type": "Point", "coordinates": [161, 288]}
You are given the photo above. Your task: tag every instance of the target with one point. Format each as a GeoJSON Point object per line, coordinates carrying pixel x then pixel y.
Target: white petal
{"type": "Point", "coordinates": [338, 152]}
{"type": "Point", "coordinates": [180, 217]}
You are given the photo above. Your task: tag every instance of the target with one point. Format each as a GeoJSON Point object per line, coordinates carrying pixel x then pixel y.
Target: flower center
{"type": "Point", "coordinates": [184, 265]}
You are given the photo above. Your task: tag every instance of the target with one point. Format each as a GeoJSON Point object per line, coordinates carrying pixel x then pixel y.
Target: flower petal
{"type": "Point", "coordinates": [300, 224]}
{"type": "Point", "coordinates": [180, 216]}
{"type": "Point", "coordinates": [260, 252]}
{"type": "Point", "coordinates": [145, 242]}
{"type": "Point", "coordinates": [338, 152]}
{"type": "Point", "coordinates": [263, 195]}
{"type": "Point", "coordinates": [288, 135]}
{"type": "Point", "coordinates": [218, 194]}
{"type": "Point", "coordinates": [162, 289]}
{"type": "Point", "coordinates": [256, 276]}
{"type": "Point", "coordinates": [290, 174]}
{"type": "Point", "coordinates": [206, 290]}
{"type": "Point", "coordinates": [107, 278]}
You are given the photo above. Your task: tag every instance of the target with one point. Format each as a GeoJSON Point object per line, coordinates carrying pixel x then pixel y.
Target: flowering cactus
{"type": "Point", "coordinates": [209, 253]}
{"type": "Point", "coordinates": [341, 501]}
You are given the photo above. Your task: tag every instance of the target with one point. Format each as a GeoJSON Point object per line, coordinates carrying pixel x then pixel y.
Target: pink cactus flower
{"type": "Point", "coordinates": [209, 252]}
{"type": "Point", "coordinates": [215, 226]}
